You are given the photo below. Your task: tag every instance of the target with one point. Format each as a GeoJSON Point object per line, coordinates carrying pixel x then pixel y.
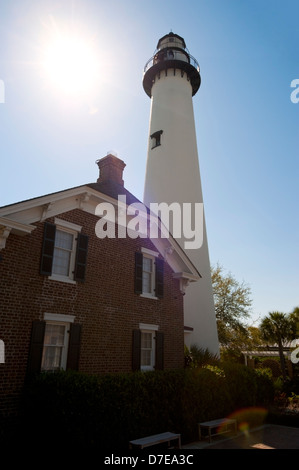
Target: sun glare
{"type": "Point", "coordinates": [70, 63]}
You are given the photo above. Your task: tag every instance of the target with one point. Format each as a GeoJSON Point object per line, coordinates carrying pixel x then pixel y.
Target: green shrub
{"type": "Point", "coordinates": [265, 387]}
{"type": "Point", "coordinates": [198, 357]}
{"type": "Point", "coordinates": [205, 397]}
{"type": "Point", "coordinates": [273, 365]}
{"type": "Point", "coordinates": [291, 385]}
{"type": "Point", "coordinates": [242, 386]}
{"type": "Point", "coordinates": [248, 387]}
{"type": "Point", "coordinates": [106, 412]}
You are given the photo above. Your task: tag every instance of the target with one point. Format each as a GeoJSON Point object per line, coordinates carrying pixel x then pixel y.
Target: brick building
{"type": "Point", "coordinates": [71, 299]}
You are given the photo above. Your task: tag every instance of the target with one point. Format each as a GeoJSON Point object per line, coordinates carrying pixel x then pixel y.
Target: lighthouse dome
{"type": "Point", "coordinates": [171, 53]}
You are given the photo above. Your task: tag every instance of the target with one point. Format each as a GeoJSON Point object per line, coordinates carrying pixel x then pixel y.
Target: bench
{"type": "Point", "coordinates": [156, 439]}
{"type": "Point", "coordinates": [221, 426]}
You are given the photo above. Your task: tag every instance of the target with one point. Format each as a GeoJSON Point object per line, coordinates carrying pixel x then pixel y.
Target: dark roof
{"type": "Point", "coordinates": [110, 188]}
{"type": "Point", "coordinates": [171, 34]}
{"type": "Point", "coordinates": [113, 189]}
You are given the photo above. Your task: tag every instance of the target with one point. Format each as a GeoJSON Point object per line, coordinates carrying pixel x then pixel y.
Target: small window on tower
{"type": "Point", "coordinates": [156, 139]}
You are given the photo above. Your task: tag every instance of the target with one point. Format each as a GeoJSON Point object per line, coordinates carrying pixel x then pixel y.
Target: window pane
{"type": "Point", "coordinates": [64, 240]}
{"type": "Point", "coordinates": [147, 275]}
{"type": "Point", "coordinates": [147, 264]}
{"type": "Point", "coordinates": [146, 358]}
{"type": "Point", "coordinates": [53, 346]}
{"type": "Point", "coordinates": [146, 349]}
{"type": "Point", "coordinates": [146, 283]}
{"type": "Point", "coordinates": [61, 262]}
{"type": "Point", "coordinates": [146, 340]}
{"type": "Point", "coordinates": [54, 335]}
{"type": "Point", "coordinates": [51, 358]}
{"type": "Point", "coordinates": [62, 253]}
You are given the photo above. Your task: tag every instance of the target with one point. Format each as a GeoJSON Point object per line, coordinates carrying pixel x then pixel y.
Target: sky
{"type": "Point", "coordinates": [53, 129]}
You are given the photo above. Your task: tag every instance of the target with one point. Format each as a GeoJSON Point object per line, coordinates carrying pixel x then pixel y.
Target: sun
{"type": "Point", "coordinates": [70, 62]}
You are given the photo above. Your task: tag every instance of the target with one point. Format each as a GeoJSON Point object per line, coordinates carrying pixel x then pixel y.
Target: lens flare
{"type": "Point", "coordinates": [248, 418]}
{"type": "Point", "coordinates": [70, 60]}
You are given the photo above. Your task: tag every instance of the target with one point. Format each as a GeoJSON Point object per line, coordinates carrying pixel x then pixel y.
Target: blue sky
{"type": "Point", "coordinates": [247, 127]}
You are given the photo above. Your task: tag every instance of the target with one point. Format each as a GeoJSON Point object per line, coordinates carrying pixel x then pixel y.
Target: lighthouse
{"type": "Point", "coordinates": [171, 78]}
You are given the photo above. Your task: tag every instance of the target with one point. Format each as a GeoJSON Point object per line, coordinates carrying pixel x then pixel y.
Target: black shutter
{"type": "Point", "coordinates": [36, 347]}
{"type": "Point", "coordinates": [159, 277]}
{"type": "Point", "coordinates": [138, 272]}
{"type": "Point", "coordinates": [81, 257]}
{"type": "Point", "coordinates": [136, 350]}
{"type": "Point", "coordinates": [48, 249]}
{"type": "Point", "coordinates": [159, 351]}
{"type": "Point", "coordinates": [74, 347]}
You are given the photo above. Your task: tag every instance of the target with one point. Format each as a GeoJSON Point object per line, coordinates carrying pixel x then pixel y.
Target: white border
{"type": "Point", "coordinates": [146, 251]}
{"type": "Point", "coordinates": [66, 224]}
{"type": "Point", "coordinates": [59, 317]}
{"type": "Point", "coordinates": [147, 326]}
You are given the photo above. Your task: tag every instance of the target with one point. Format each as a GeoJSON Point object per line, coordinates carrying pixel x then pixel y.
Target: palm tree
{"type": "Point", "coordinates": [277, 328]}
{"type": "Point", "coordinates": [294, 317]}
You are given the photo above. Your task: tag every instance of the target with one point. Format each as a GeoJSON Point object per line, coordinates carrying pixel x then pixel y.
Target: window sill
{"type": "Point", "coordinates": [155, 146]}
{"type": "Point", "coordinates": [61, 279]}
{"type": "Point", "coordinates": [147, 368]}
{"type": "Point", "coordinates": [149, 296]}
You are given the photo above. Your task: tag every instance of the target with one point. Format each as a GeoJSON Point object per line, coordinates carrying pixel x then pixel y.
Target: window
{"type": "Point", "coordinates": [63, 257]}
{"type": "Point", "coordinates": [149, 272]}
{"type": "Point", "coordinates": [148, 348]}
{"type": "Point", "coordinates": [64, 252]}
{"type": "Point", "coordinates": [147, 359]}
{"type": "Point", "coordinates": [156, 139]}
{"type": "Point", "coordinates": [55, 346]}
{"type": "Point", "coordinates": [55, 343]}
{"type": "Point", "coordinates": [148, 275]}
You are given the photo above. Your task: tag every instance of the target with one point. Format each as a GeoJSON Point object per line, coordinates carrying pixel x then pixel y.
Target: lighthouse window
{"type": "Point", "coordinates": [156, 139]}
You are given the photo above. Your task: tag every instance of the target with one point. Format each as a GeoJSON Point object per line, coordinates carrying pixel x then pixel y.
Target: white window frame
{"type": "Point", "coordinates": [73, 229]}
{"type": "Point", "coordinates": [149, 329]}
{"type": "Point", "coordinates": [60, 320]}
{"type": "Point", "coordinates": [152, 255]}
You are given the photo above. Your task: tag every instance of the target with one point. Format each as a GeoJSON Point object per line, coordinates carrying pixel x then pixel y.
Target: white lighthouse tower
{"type": "Point", "coordinates": [171, 78]}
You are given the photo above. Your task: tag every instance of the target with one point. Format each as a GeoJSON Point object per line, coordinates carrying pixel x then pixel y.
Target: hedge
{"type": "Point", "coordinates": [106, 412]}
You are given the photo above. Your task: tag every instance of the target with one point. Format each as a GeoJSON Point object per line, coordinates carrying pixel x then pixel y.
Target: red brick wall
{"type": "Point", "coordinates": [105, 305]}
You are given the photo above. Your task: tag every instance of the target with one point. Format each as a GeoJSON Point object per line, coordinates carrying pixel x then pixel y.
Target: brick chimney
{"type": "Point", "coordinates": [111, 169]}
